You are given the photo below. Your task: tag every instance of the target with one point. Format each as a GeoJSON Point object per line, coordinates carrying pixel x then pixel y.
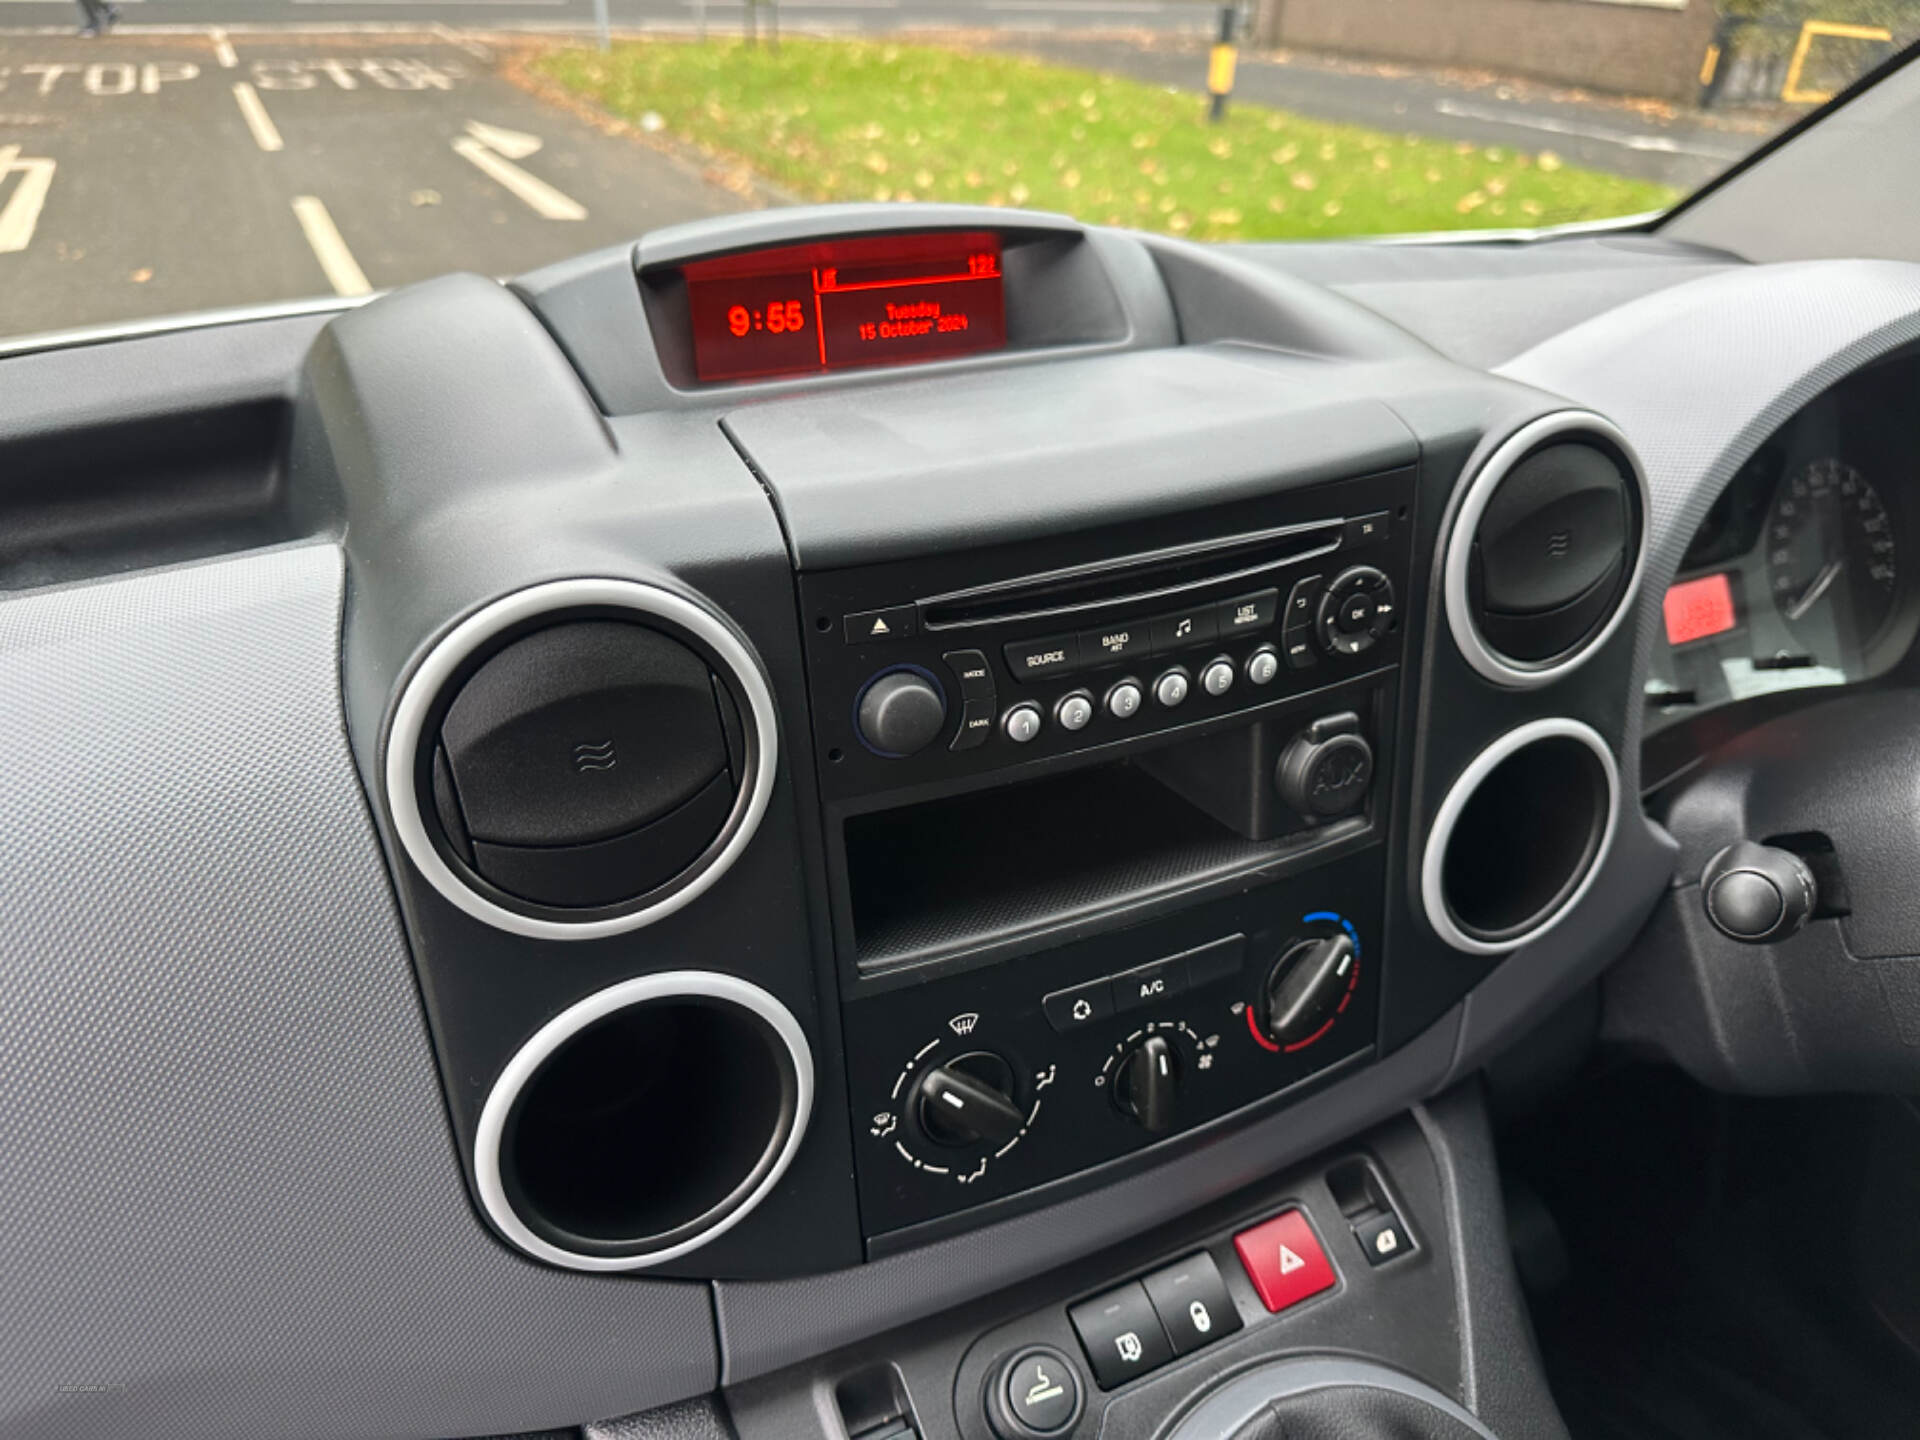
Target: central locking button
{"type": "Point", "coordinates": [1192, 1302]}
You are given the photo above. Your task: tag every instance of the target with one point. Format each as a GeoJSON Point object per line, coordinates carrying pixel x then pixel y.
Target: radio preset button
{"type": "Point", "coordinates": [1248, 612]}
{"type": "Point", "coordinates": [1022, 722]}
{"type": "Point", "coordinates": [976, 724]}
{"type": "Point", "coordinates": [1038, 659]}
{"type": "Point", "coordinates": [1074, 711]}
{"type": "Point", "coordinates": [970, 668]}
{"type": "Point", "coordinates": [1171, 688]}
{"type": "Point", "coordinates": [893, 623]}
{"type": "Point", "coordinates": [1113, 644]}
{"type": "Point", "coordinates": [1123, 699]}
{"type": "Point", "coordinates": [1217, 678]}
{"type": "Point", "coordinates": [1262, 666]}
{"type": "Point", "coordinates": [1184, 629]}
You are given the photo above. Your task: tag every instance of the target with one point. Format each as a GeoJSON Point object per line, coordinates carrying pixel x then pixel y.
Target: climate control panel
{"type": "Point", "coordinates": [977, 1089]}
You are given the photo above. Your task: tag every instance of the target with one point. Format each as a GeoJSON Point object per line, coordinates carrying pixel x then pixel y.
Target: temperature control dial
{"type": "Point", "coordinates": [1306, 986]}
{"type": "Point", "coordinates": [969, 1101]}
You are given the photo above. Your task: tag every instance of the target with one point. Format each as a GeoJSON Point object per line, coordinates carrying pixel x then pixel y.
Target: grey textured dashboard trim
{"type": "Point", "coordinates": [835, 463]}
{"type": "Point", "coordinates": [210, 1004]}
{"type": "Point", "coordinates": [1439, 291]}
{"type": "Point", "coordinates": [1500, 1366]}
{"type": "Point", "coordinates": [767, 1325]}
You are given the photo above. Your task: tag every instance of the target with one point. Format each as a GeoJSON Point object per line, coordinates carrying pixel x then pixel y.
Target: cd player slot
{"type": "Point", "coordinates": [1151, 577]}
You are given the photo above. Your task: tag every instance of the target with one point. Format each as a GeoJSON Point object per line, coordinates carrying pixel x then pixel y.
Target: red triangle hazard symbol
{"type": "Point", "coordinates": [1289, 1262]}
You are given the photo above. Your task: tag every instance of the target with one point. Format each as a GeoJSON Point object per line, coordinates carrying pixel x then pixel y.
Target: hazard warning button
{"type": "Point", "coordinates": [1284, 1260]}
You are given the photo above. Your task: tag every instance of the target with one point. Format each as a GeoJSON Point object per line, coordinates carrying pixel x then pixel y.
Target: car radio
{"type": "Point", "coordinates": [1103, 817]}
{"type": "Point", "coordinates": [912, 686]}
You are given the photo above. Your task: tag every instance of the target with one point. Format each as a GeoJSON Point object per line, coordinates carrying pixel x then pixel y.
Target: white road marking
{"type": "Point", "coordinates": [22, 211]}
{"type": "Point", "coordinates": [342, 271]}
{"type": "Point", "coordinates": [514, 144]}
{"type": "Point", "coordinates": [265, 133]}
{"type": "Point", "coordinates": [1660, 144]}
{"type": "Point", "coordinates": [223, 48]}
{"type": "Point", "coordinates": [453, 37]}
{"type": "Point", "coordinates": [545, 201]}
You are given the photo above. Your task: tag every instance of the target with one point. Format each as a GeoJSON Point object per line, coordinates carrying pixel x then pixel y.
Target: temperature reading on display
{"type": "Point", "coordinates": [803, 309]}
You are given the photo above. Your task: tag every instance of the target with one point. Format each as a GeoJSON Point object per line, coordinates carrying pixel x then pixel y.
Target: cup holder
{"type": "Point", "coordinates": [1520, 837]}
{"type": "Point", "coordinates": [644, 1121]}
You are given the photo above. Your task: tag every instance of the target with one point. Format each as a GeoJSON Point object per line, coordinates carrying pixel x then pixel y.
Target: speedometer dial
{"type": "Point", "coordinates": [1832, 562]}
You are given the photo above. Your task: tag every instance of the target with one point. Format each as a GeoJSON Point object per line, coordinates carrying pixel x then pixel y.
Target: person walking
{"type": "Point", "coordinates": [97, 16]}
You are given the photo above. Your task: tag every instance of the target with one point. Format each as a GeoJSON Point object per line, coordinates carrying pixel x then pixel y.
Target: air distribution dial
{"type": "Point", "coordinates": [1147, 1084]}
{"type": "Point", "coordinates": [901, 713]}
{"type": "Point", "coordinates": [969, 1101]}
{"type": "Point", "coordinates": [1304, 987]}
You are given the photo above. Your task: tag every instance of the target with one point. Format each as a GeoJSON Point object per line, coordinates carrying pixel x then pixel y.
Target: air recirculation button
{"type": "Point", "coordinates": [587, 764]}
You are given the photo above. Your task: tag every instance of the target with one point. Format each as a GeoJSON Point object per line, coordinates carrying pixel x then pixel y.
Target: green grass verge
{"type": "Point", "coordinates": [869, 120]}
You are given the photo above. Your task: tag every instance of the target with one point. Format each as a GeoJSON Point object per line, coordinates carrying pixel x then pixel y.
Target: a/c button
{"type": "Point", "coordinates": [1150, 984]}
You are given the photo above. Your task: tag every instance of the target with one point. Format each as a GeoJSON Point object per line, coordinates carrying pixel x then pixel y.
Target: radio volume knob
{"type": "Point", "coordinates": [901, 712]}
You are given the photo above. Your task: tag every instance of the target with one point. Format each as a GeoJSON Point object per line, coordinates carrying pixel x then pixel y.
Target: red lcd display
{"type": "Point", "coordinates": [1696, 609]}
{"type": "Point", "coordinates": [884, 300]}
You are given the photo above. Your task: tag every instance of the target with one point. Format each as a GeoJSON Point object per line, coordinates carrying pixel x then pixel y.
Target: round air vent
{"type": "Point", "coordinates": [1520, 836]}
{"type": "Point", "coordinates": [1546, 553]}
{"type": "Point", "coordinates": [644, 1121]}
{"type": "Point", "coordinates": [581, 758]}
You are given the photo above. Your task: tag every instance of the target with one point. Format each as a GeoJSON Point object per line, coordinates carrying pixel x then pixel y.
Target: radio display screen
{"type": "Point", "coordinates": [837, 304]}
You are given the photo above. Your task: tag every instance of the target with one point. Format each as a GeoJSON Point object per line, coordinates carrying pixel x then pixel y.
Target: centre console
{"type": "Point", "coordinates": [1103, 817]}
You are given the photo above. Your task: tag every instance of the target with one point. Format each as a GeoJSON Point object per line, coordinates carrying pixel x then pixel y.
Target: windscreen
{"type": "Point", "coordinates": [159, 157]}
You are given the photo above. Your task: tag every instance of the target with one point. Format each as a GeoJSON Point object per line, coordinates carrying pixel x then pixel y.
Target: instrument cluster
{"type": "Point", "coordinates": [1801, 575]}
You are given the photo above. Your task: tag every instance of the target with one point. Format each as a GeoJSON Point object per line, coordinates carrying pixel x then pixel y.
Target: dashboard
{"type": "Point", "coordinates": [862, 808]}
